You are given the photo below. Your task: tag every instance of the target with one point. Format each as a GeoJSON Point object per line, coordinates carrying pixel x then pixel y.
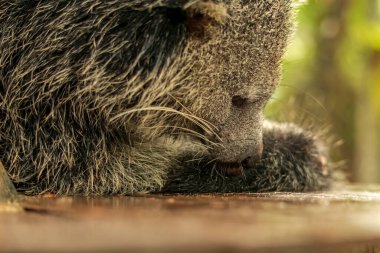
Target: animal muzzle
{"type": "Point", "coordinates": [234, 157]}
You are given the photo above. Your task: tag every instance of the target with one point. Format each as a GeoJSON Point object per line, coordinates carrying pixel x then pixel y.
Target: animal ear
{"type": "Point", "coordinates": [203, 15]}
{"type": "Point", "coordinates": [216, 12]}
{"type": "Point", "coordinates": [198, 16]}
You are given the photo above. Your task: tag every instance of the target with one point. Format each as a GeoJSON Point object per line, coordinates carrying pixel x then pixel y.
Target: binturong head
{"type": "Point", "coordinates": [210, 87]}
{"type": "Point", "coordinates": [208, 75]}
{"type": "Point", "coordinates": [233, 54]}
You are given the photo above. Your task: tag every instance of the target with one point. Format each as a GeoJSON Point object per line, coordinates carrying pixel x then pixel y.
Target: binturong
{"type": "Point", "coordinates": [145, 96]}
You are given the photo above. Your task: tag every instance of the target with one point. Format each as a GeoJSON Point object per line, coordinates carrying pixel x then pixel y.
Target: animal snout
{"type": "Point", "coordinates": [244, 153]}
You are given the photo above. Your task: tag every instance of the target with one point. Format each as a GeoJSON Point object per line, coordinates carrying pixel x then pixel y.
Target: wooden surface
{"type": "Point", "coordinates": [344, 221]}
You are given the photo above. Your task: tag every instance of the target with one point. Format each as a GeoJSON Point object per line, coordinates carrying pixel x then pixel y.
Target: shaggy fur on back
{"type": "Point", "coordinates": [124, 97]}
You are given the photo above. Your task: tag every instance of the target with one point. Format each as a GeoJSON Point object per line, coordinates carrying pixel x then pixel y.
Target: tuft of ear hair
{"type": "Point", "coordinates": [210, 10]}
{"type": "Point", "coordinates": [202, 15]}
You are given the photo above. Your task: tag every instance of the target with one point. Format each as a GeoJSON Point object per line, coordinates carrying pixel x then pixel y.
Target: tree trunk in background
{"type": "Point", "coordinates": [366, 153]}
{"type": "Point", "coordinates": [347, 105]}
{"type": "Point", "coordinates": [329, 85]}
{"type": "Point", "coordinates": [367, 149]}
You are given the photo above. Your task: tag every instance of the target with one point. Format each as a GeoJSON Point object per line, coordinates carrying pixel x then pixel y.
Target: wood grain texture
{"type": "Point", "coordinates": [344, 221]}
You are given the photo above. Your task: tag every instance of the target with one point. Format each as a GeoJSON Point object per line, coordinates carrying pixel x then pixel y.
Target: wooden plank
{"type": "Point", "coordinates": [344, 221]}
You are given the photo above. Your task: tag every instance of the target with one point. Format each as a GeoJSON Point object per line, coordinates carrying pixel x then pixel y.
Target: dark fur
{"type": "Point", "coordinates": [292, 161]}
{"type": "Point", "coordinates": [118, 97]}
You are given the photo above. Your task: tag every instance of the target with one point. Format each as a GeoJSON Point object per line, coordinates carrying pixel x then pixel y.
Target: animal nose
{"type": "Point", "coordinates": [245, 153]}
{"type": "Point", "coordinates": [253, 157]}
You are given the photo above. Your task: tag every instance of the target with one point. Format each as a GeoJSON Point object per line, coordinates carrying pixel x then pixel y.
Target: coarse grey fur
{"type": "Point", "coordinates": [124, 97]}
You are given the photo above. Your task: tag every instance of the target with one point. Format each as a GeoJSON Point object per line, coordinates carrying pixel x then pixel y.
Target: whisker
{"type": "Point", "coordinates": [203, 124]}
{"type": "Point", "coordinates": [188, 131]}
{"type": "Point", "coordinates": [210, 125]}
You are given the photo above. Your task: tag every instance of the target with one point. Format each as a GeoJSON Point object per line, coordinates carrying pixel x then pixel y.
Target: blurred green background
{"type": "Point", "coordinates": [331, 81]}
